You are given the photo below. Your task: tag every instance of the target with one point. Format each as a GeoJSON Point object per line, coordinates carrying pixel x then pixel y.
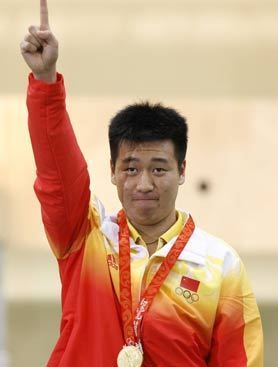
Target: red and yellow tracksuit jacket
{"type": "Point", "coordinates": [205, 313]}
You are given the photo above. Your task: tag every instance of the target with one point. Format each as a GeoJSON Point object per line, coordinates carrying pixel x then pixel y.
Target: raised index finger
{"type": "Point", "coordinates": [44, 15]}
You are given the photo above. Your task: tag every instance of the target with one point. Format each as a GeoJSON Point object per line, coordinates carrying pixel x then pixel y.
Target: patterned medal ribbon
{"type": "Point", "coordinates": [132, 326]}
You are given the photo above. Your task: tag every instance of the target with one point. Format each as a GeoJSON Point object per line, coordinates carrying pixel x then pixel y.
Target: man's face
{"type": "Point", "coordinates": [147, 179]}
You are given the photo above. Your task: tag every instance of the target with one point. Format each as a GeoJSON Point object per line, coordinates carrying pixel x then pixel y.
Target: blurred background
{"type": "Point", "coordinates": [213, 60]}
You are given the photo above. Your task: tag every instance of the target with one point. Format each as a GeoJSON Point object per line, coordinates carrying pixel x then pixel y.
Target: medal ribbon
{"type": "Point", "coordinates": [132, 326]}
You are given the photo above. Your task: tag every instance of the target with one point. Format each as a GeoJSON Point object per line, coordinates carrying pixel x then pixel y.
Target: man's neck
{"type": "Point", "coordinates": [151, 233]}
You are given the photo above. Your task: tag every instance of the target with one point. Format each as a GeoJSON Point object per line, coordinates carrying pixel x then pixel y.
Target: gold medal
{"type": "Point", "coordinates": [130, 356]}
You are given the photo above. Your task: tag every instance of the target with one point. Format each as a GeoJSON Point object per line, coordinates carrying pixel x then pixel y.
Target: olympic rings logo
{"type": "Point", "coordinates": [190, 297]}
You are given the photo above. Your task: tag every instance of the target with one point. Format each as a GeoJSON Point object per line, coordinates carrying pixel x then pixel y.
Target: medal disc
{"type": "Point", "coordinates": [130, 356]}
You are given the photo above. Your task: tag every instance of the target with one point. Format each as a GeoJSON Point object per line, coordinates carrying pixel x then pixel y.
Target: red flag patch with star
{"type": "Point", "coordinates": [189, 283]}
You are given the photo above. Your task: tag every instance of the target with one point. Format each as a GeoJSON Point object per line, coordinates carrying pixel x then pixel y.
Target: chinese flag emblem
{"type": "Point", "coordinates": [190, 284]}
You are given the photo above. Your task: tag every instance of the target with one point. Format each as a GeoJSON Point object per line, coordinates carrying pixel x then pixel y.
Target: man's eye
{"type": "Point", "coordinates": [131, 170]}
{"type": "Point", "coordinates": [159, 170]}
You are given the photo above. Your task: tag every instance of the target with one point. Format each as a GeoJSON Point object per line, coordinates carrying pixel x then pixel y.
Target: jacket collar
{"type": "Point", "coordinates": [194, 251]}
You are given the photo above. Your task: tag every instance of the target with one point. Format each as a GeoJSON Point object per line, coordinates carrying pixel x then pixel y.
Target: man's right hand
{"type": "Point", "coordinates": [40, 48]}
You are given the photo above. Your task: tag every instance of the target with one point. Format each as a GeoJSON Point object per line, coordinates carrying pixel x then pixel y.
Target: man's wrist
{"type": "Point", "coordinates": [49, 77]}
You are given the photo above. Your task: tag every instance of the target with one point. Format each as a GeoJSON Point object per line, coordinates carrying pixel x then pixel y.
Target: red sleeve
{"type": "Point", "coordinates": [62, 183]}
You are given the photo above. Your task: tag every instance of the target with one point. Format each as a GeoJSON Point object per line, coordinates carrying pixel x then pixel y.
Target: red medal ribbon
{"type": "Point", "coordinates": [132, 326]}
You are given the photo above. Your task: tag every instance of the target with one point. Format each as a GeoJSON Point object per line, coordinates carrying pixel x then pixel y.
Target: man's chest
{"type": "Point", "coordinates": [190, 289]}
{"type": "Point", "coordinates": [184, 308]}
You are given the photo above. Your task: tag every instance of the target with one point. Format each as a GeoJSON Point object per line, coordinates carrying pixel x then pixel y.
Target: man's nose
{"type": "Point", "coordinates": [145, 183]}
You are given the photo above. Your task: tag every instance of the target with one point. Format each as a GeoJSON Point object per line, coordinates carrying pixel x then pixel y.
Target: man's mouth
{"type": "Point", "coordinates": [144, 198]}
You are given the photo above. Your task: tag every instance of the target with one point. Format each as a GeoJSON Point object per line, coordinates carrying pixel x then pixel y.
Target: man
{"type": "Point", "coordinates": [146, 286]}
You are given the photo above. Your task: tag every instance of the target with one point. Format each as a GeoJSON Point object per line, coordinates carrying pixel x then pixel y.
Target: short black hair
{"type": "Point", "coordinates": [145, 122]}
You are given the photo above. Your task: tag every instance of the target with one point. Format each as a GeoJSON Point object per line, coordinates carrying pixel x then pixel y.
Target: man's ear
{"type": "Point", "coordinates": [182, 172]}
{"type": "Point", "coordinates": [112, 167]}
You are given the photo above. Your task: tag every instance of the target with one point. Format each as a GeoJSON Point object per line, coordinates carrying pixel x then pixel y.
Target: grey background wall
{"type": "Point", "coordinates": [215, 61]}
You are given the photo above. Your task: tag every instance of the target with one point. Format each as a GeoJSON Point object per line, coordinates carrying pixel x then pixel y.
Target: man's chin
{"type": "Point", "coordinates": [143, 216]}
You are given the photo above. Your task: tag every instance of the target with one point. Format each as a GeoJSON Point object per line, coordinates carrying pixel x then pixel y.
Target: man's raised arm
{"type": "Point", "coordinates": [62, 183]}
